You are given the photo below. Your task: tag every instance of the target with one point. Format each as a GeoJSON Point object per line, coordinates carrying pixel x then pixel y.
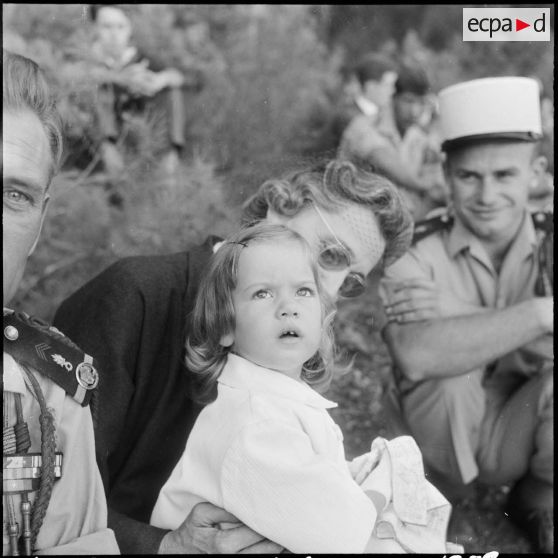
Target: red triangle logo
{"type": "Point", "coordinates": [519, 25]}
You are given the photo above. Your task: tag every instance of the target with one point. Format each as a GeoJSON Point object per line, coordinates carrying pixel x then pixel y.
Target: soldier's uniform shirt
{"type": "Point", "coordinates": [76, 518]}
{"type": "Point", "coordinates": [456, 261]}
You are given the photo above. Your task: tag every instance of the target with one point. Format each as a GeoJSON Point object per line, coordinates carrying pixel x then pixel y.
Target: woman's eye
{"type": "Point", "coordinates": [262, 293]}
{"type": "Point", "coordinates": [305, 291]}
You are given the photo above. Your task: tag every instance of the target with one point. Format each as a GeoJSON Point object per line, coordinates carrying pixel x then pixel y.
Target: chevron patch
{"type": "Point", "coordinates": [41, 348]}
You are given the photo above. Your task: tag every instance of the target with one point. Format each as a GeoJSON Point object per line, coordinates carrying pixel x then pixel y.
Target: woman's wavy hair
{"type": "Point", "coordinates": [214, 315]}
{"type": "Point", "coordinates": [25, 88]}
{"type": "Point", "coordinates": [332, 185]}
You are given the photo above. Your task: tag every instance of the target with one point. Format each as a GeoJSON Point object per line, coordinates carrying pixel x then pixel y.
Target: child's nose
{"type": "Point", "coordinates": [288, 308]}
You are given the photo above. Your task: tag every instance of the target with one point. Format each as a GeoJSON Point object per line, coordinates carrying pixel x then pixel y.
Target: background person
{"type": "Point", "coordinates": [135, 313]}
{"type": "Point", "coordinates": [470, 309]}
{"type": "Point", "coordinates": [53, 498]}
{"type": "Point", "coordinates": [394, 143]}
{"type": "Point", "coordinates": [132, 83]}
{"type": "Point", "coordinates": [368, 91]}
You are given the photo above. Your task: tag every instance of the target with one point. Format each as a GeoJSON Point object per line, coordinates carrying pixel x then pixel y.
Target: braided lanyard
{"type": "Point", "coordinates": [16, 440]}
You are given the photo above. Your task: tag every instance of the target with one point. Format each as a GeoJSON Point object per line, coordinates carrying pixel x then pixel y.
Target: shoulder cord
{"type": "Point", "coordinates": [48, 452]}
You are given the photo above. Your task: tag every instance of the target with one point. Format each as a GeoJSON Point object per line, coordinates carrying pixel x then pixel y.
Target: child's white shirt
{"type": "Point", "coordinates": [268, 451]}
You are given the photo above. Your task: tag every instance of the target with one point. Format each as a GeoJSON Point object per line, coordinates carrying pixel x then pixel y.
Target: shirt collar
{"type": "Point", "coordinates": [243, 374]}
{"type": "Point", "coordinates": [366, 106]}
{"type": "Point", "coordinates": [12, 377]}
{"type": "Point", "coordinates": [524, 243]}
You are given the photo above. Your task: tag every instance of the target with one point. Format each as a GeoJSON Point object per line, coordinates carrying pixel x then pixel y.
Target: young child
{"type": "Point", "coordinates": [265, 449]}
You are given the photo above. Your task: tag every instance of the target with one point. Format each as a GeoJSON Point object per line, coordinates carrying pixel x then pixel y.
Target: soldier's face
{"type": "Point", "coordinates": [489, 184]}
{"type": "Point", "coordinates": [25, 171]}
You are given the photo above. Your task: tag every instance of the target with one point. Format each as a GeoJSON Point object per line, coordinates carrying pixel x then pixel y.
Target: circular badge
{"type": "Point", "coordinates": [11, 333]}
{"type": "Point", "coordinates": [87, 376]}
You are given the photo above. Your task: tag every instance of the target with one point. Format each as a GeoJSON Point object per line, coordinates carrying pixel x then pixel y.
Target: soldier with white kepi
{"type": "Point", "coordinates": [53, 497]}
{"type": "Point", "coordinates": [469, 309]}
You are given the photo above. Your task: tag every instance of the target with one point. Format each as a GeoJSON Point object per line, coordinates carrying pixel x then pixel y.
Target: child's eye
{"type": "Point", "coordinates": [262, 293]}
{"type": "Point", "coordinates": [305, 291]}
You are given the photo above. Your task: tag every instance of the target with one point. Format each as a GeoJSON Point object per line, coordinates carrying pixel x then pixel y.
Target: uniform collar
{"type": "Point", "coordinates": [242, 374]}
{"type": "Point", "coordinates": [523, 245]}
{"type": "Point", "coordinates": [12, 377]}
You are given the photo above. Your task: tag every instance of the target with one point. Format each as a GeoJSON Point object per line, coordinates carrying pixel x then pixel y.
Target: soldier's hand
{"type": "Point", "coordinates": [544, 307]}
{"type": "Point", "coordinates": [415, 300]}
{"type": "Point", "coordinates": [211, 530]}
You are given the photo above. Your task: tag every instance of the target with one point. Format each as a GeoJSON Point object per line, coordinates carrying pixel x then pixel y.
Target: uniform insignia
{"type": "Point", "coordinates": [47, 351]}
{"type": "Point", "coordinates": [61, 361]}
{"type": "Point", "coordinates": [41, 348]}
{"type": "Point", "coordinates": [429, 226]}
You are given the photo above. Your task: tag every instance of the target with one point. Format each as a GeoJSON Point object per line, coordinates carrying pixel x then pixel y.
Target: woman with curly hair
{"type": "Point", "coordinates": [134, 317]}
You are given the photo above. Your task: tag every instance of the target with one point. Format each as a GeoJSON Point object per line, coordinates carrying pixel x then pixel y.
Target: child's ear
{"type": "Point", "coordinates": [227, 340]}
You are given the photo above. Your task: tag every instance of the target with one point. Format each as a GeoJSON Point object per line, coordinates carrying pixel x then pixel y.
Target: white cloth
{"type": "Point", "coordinates": [268, 452]}
{"type": "Point", "coordinates": [415, 513]}
{"type": "Point", "coordinates": [76, 518]}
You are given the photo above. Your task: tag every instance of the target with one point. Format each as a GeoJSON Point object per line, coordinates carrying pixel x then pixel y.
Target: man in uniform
{"type": "Point", "coordinates": [395, 144]}
{"type": "Point", "coordinates": [53, 498]}
{"type": "Point", "coordinates": [470, 308]}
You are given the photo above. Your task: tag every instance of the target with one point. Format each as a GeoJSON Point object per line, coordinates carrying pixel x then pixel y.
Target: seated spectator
{"type": "Point", "coordinates": [368, 90]}
{"type": "Point", "coordinates": [470, 309]}
{"type": "Point", "coordinates": [131, 83]}
{"type": "Point", "coordinates": [394, 143]}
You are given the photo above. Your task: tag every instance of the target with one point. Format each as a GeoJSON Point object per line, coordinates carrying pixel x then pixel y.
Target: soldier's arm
{"type": "Point", "coordinates": [452, 346]}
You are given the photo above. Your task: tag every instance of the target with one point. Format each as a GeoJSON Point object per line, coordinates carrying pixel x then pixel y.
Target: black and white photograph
{"type": "Point", "coordinates": [278, 278]}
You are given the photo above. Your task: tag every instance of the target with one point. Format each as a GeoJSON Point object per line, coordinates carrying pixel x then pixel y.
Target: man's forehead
{"type": "Point", "coordinates": [25, 146]}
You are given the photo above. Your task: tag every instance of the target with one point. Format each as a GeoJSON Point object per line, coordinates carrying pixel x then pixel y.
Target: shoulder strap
{"type": "Point", "coordinates": [544, 225]}
{"type": "Point", "coordinates": [32, 342]}
{"type": "Point", "coordinates": [429, 226]}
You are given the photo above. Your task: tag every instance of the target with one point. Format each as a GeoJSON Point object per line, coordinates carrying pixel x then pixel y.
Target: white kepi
{"type": "Point", "coordinates": [506, 107]}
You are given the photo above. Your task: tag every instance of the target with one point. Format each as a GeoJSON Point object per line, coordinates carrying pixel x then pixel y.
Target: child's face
{"type": "Point", "coordinates": [277, 307]}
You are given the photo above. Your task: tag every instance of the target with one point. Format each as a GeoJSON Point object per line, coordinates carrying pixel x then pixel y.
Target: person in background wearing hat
{"type": "Point", "coordinates": [132, 83]}
{"type": "Point", "coordinates": [53, 497]}
{"type": "Point", "coordinates": [469, 309]}
{"type": "Point", "coordinates": [393, 141]}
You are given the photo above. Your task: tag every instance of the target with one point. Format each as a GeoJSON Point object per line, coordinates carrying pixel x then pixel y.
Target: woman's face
{"type": "Point", "coordinates": [354, 226]}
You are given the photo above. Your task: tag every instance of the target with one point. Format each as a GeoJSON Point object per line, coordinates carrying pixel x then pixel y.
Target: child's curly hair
{"type": "Point", "coordinates": [214, 317]}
